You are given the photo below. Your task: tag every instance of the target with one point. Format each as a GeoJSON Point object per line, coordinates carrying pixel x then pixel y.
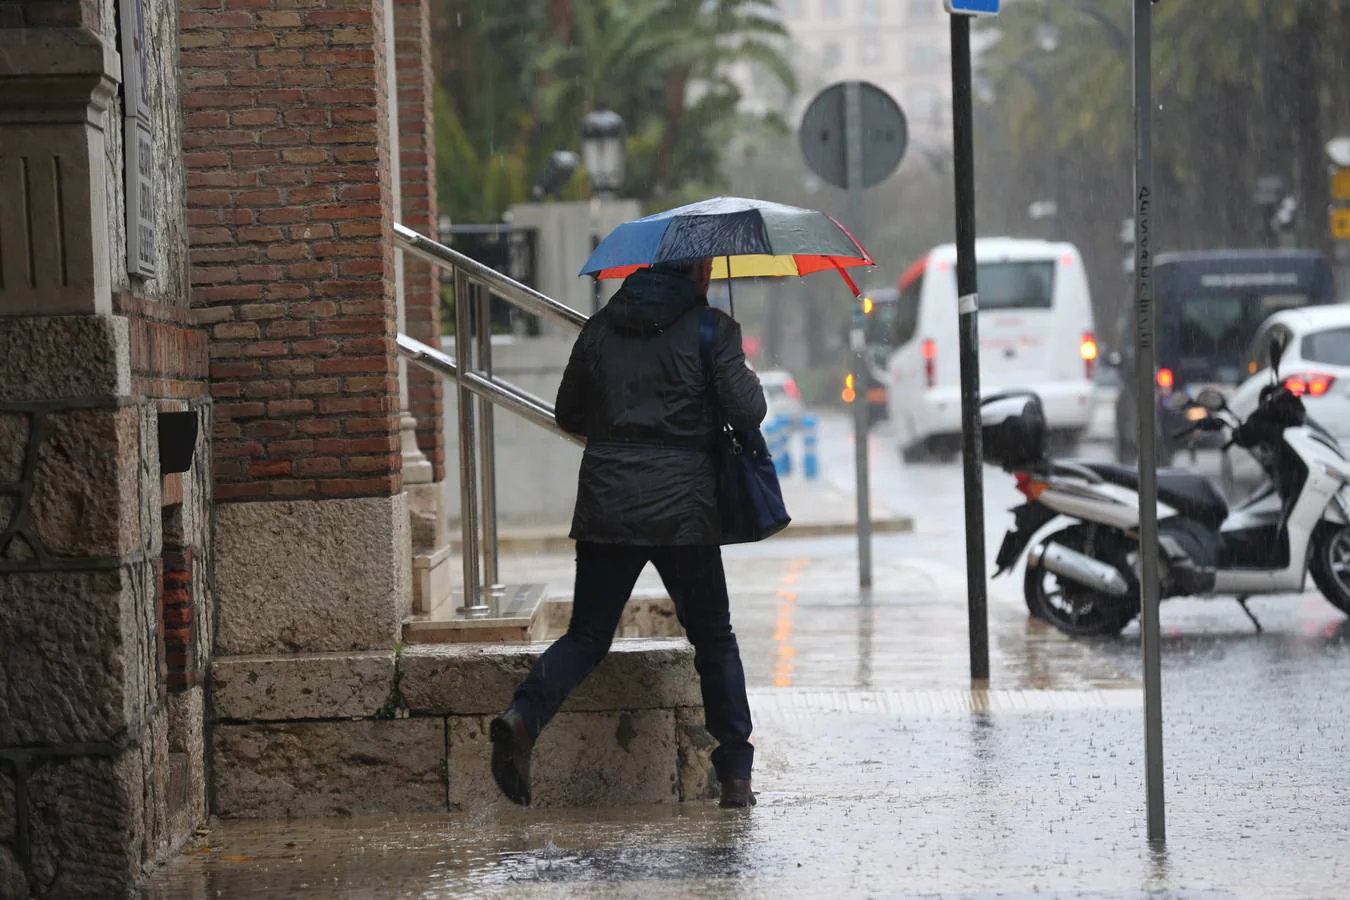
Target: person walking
{"type": "Point", "coordinates": [638, 390]}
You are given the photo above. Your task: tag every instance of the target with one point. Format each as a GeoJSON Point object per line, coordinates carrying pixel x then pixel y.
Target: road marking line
{"type": "Point", "coordinates": [784, 652]}
{"type": "Point", "coordinates": [804, 704]}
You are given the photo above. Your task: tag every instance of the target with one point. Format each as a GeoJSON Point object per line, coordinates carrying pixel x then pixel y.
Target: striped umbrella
{"type": "Point", "coordinates": [745, 238]}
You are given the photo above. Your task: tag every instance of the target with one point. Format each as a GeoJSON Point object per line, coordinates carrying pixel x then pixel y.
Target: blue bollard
{"type": "Point", "coordinates": [776, 437]}
{"type": "Point", "coordinates": [810, 463]}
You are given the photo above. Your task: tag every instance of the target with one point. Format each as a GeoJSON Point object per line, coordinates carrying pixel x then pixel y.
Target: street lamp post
{"type": "Point", "coordinates": [603, 135]}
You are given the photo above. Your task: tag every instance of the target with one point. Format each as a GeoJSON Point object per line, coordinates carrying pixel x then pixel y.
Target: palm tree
{"type": "Point", "coordinates": [519, 77]}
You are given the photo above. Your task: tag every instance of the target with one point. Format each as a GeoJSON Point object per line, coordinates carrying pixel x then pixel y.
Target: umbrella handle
{"type": "Point", "coordinates": [731, 300]}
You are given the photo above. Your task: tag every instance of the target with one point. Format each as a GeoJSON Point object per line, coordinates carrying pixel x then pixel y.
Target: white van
{"type": "Point", "coordinates": [1036, 333]}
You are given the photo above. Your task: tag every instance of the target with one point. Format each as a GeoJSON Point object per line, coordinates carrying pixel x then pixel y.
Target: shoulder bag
{"type": "Point", "coordinates": [749, 498]}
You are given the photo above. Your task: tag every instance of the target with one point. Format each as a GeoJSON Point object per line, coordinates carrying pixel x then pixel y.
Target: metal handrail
{"type": "Point", "coordinates": [477, 386]}
{"type": "Point", "coordinates": [533, 409]}
{"type": "Point", "coordinates": [508, 289]}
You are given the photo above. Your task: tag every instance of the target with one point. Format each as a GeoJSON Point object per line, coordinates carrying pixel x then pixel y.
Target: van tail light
{"type": "Point", "coordinates": [1087, 348]}
{"type": "Point", "coordinates": [1309, 384]}
{"type": "Point", "coordinates": [790, 388]}
{"type": "Point", "coordinates": [849, 394]}
{"type": "Point", "coordinates": [1166, 379]}
{"type": "Point", "coordinates": [929, 350]}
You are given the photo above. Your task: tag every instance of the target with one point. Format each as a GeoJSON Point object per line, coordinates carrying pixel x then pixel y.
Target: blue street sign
{"type": "Point", "coordinates": [972, 7]}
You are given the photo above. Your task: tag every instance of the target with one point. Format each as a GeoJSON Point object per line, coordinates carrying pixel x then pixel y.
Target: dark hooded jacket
{"type": "Point", "coordinates": [636, 389]}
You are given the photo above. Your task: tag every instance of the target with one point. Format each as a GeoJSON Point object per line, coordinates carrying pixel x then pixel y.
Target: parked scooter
{"type": "Point", "coordinates": [1084, 578]}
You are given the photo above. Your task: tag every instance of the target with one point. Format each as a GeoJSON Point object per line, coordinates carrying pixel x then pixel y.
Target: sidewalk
{"type": "Point", "coordinates": [881, 774]}
{"type": "Point", "coordinates": [892, 802]}
{"type": "Point", "coordinates": [818, 509]}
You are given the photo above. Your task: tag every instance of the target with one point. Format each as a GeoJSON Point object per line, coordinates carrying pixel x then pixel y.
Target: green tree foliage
{"type": "Point", "coordinates": [1244, 88]}
{"type": "Point", "coordinates": [515, 79]}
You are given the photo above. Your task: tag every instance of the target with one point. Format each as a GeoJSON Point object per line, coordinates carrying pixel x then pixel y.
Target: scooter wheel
{"type": "Point", "coordinates": [1076, 609]}
{"type": "Point", "coordinates": [1330, 564]}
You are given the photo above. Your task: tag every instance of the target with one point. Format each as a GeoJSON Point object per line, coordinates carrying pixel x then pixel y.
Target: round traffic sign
{"type": "Point", "coordinates": [826, 132]}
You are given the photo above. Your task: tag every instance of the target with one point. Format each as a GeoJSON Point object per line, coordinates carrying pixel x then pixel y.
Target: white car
{"type": "Point", "coordinates": [782, 394]}
{"type": "Point", "coordinates": [1036, 333]}
{"type": "Point", "coordinates": [1315, 365]}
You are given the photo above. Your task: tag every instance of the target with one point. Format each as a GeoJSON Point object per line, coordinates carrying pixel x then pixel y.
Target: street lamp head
{"type": "Point", "coordinates": [603, 135]}
{"type": "Point", "coordinates": [1047, 36]}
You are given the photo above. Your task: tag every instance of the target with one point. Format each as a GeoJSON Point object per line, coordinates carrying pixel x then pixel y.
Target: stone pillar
{"type": "Point", "coordinates": [289, 209]}
{"type": "Point", "coordinates": [101, 763]}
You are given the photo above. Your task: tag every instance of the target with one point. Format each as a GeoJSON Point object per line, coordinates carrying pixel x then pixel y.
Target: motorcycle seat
{"type": "Point", "coordinates": [1189, 494]}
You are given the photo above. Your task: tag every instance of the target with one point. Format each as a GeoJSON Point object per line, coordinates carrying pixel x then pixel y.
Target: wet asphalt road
{"type": "Point", "coordinates": [882, 775]}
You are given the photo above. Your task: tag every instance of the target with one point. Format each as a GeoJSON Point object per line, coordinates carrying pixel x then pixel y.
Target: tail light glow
{"type": "Point", "coordinates": [791, 389]}
{"type": "Point", "coordinates": [848, 395]}
{"type": "Point", "coordinates": [1166, 379]}
{"type": "Point", "coordinates": [929, 351]}
{"type": "Point", "coordinates": [1087, 348]}
{"type": "Point", "coordinates": [1310, 384]}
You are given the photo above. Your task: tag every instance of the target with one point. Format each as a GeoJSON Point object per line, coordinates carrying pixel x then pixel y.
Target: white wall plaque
{"type": "Point", "coordinates": [135, 59]}
{"type": "Point", "coordinates": [140, 193]}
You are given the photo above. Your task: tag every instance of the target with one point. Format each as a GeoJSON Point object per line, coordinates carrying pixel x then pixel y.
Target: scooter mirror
{"type": "Point", "coordinates": [1276, 354]}
{"type": "Point", "coordinates": [1211, 400]}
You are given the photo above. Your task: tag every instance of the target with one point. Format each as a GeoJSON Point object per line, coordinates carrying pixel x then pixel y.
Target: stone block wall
{"type": "Point", "coordinates": [385, 732]}
{"type": "Point", "coordinates": [101, 769]}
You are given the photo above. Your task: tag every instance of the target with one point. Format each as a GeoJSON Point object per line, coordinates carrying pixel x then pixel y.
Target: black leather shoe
{"type": "Point", "coordinates": [736, 794]}
{"type": "Point", "coordinates": [511, 746]}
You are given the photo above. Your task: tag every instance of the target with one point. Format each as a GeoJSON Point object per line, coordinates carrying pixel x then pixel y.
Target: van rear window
{"type": "Point", "coordinates": [1220, 326]}
{"type": "Point", "coordinates": [1017, 285]}
{"type": "Point", "coordinates": [1213, 327]}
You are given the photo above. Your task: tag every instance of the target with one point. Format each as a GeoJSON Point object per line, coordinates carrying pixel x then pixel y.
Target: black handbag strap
{"type": "Point", "coordinates": [707, 335]}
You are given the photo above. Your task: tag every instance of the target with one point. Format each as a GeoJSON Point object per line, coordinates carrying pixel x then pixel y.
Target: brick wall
{"type": "Point", "coordinates": [168, 352]}
{"type": "Point", "coordinates": [179, 624]}
{"type": "Point", "coordinates": [288, 213]}
{"type": "Point", "coordinates": [421, 281]}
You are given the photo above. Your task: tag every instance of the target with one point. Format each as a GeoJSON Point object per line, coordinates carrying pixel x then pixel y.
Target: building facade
{"type": "Point", "coordinates": [901, 46]}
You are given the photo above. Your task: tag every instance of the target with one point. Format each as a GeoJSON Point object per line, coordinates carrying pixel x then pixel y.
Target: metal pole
{"type": "Point", "coordinates": [468, 486]}
{"type": "Point", "coordinates": [972, 450]}
{"type": "Point", "coordinates": [853, 127]}
{"type": "Point", "coordinates": [487, 438]}
{"type": "Point", "coordinates": [597, 297]}
{"type": "Point", "coordinates": [1146, 354]}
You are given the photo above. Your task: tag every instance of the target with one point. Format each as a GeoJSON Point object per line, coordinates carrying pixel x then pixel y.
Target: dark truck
{"type": "Point", "coordinates": [1209, 307]}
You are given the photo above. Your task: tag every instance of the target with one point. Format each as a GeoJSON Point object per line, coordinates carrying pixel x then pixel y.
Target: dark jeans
{"type": "Point", "coordinates": [694, 578]}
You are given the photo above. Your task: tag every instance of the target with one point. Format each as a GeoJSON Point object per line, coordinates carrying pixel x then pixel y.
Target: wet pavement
{"type": "Point", "coordinates": [881, 774]}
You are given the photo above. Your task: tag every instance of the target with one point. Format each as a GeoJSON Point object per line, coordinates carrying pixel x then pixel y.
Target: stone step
{"type": "Point", "coordinates": [532, 614]}
{"type": "Point", "coordinates": [515, 616]}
